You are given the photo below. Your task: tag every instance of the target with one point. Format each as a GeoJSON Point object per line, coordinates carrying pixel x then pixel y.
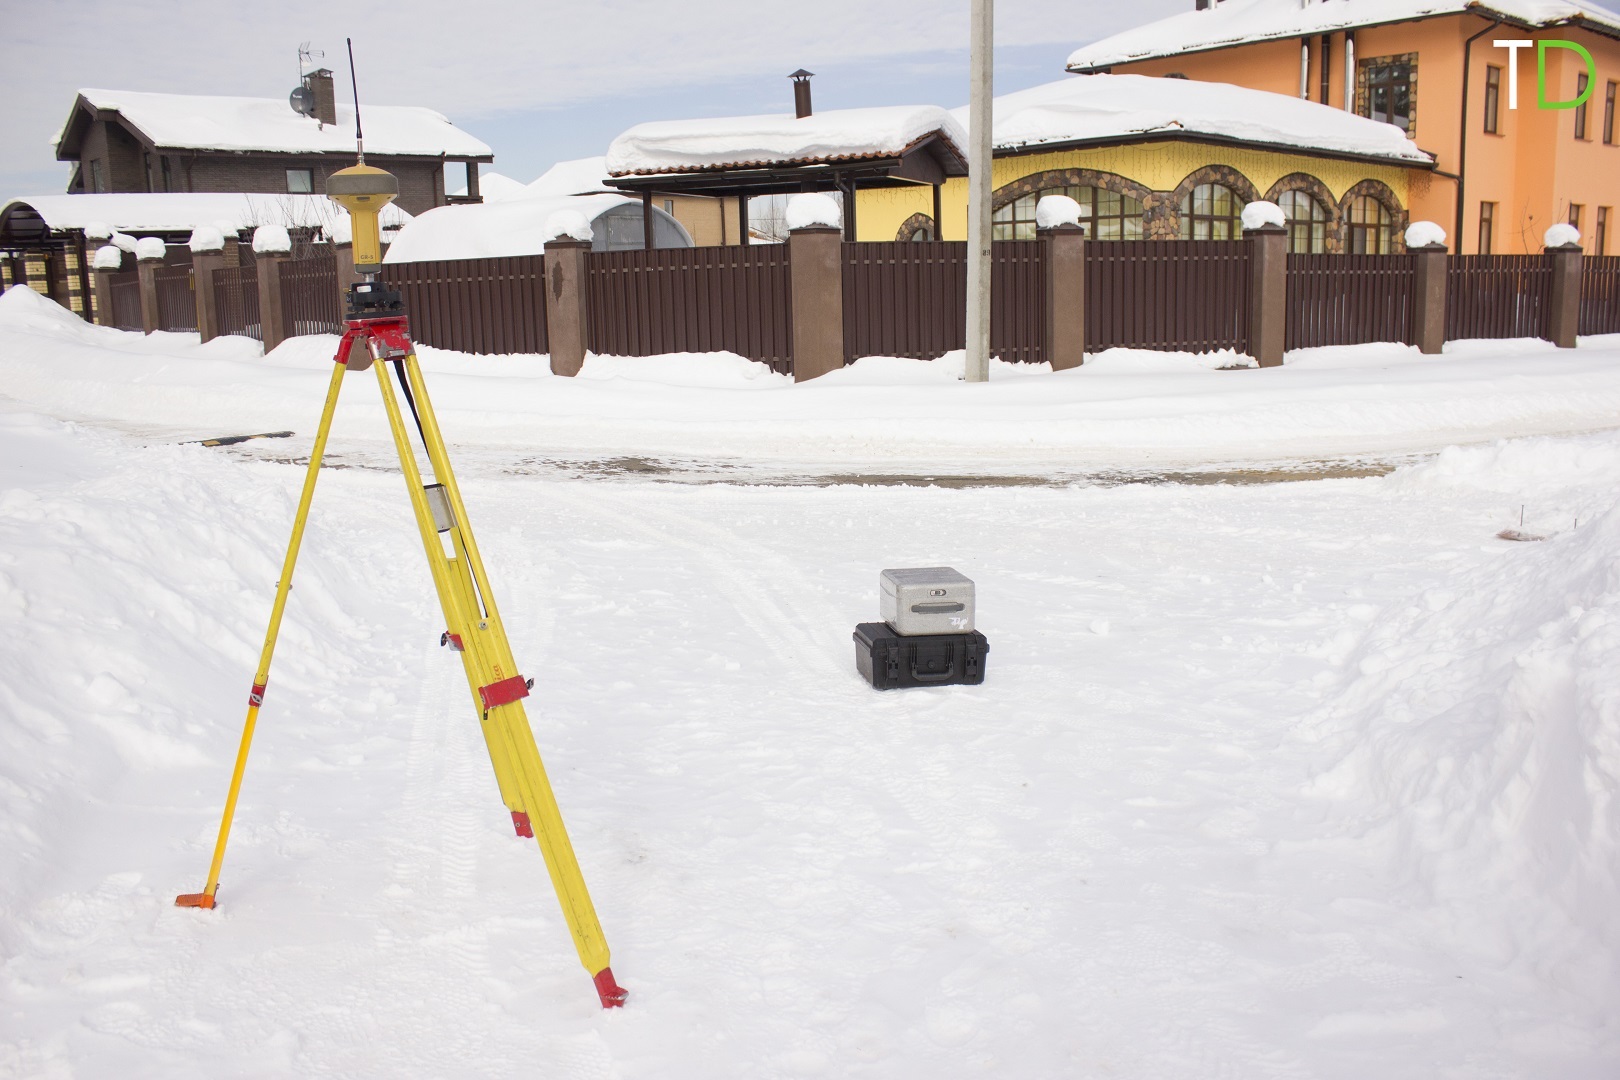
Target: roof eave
{"type": "Point", "coordinates": [1216, 140]}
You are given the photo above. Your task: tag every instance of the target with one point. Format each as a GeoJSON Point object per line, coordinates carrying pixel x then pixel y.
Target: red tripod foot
{"type": "Point", "coordinates": [520, 822]}
{"type": "Point", "coordinates": [611, 993]}
{"type": "Point", "coordinates": [194, 899]}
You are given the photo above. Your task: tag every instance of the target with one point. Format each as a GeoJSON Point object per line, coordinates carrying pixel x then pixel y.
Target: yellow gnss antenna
{"type": "Point", "coordinates": [363, 191]}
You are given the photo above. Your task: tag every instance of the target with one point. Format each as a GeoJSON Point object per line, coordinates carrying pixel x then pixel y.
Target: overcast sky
{"type": "Point", "coordinates": [540, 81]}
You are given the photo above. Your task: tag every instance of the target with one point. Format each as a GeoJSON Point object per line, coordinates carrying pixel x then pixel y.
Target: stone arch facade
{"type": "Point", "coordinates": [1319, 191]}
{"type": "Point", "coordinates": [1169, 224]}
{"type": "Point", "coordinates": [915, 222]}
{"type": "Point", "coordinates": [1053, 178]}
{"type": "Point", "coordinates": [1383, 194]}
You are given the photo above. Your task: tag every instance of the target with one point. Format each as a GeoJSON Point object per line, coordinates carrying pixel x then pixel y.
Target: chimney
{"type": "Point", "coordinates": [320, 83]}
{"type": "Point", "coordinates": [801, 93]}
{"type": "Point", "coordinates": [1203, 5]}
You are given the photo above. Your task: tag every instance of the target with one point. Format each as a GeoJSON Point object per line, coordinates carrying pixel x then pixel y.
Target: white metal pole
{"type": "Point", "coordinates": [979, 137]}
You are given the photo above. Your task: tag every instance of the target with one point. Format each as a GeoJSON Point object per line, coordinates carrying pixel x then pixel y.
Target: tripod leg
{"type": "Point", "coordinates": [205, 899]}
{"type": "Point", "coordinates": [513, 723]}
{"type": "Point", "coordinates": [454, 588]}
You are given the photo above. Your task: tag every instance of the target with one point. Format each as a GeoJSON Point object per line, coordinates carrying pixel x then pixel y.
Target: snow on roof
{"type": "Point", "coordinates": [671, 146]}
{"type": "Point", "coordinates": [238, 123]}
{"type": "Point", "coordinates": [1086, 108]}
{"type": "Point", "coordinates": [582, 176]}
{"type": "Point", "coordinates": [495, 187]}
{"type": "Point", "coordinates": [490, 230]}
{"type": "Point", "coordinates": [1239, 22]}
{"type": "Point", "coordinates": [183, 212]}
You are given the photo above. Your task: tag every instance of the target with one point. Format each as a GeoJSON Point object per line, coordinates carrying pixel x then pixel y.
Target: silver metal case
{"type": "Point", "coordinates": [926, 600]}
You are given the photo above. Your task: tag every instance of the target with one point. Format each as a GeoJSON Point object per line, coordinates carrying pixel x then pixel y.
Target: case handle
{"type": "Point", "coordinates": [940, 608]}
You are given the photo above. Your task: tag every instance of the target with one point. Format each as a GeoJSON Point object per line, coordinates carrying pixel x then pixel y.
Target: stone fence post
{"type": "Point", "coordinates": [567, 316]}
{"type": "Point", "coordinates": [1065, 338]}
{"type": "Point", "coordinates": [816, 263]}
{"type": "Point", "coordinates": [1564, 319]}
{"type": "Point", "coordinates": [1429, 298]}
{"type": "Point", "coordinates": [204, 261]}
{"type": "Point", "coordinates": [102, 268]}
{"type": "Point", "coordinates": [272, 313]}
{"type": "Point", "coordinates": [146, 267]}
{"type": "Point", "coordinates": [1268, 293]}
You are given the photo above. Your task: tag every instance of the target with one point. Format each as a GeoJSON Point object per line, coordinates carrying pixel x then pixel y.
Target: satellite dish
{"type": "Point", "coordinates": [302, 101]}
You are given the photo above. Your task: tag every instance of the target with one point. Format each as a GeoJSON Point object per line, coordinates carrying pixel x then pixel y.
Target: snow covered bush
{"type": "Point", "coordinates": [108, 258]}
{"type": "Point", "coordinates": [1561, 236]}
{"type": "Point", "coordinates": [812, 208]}
{"type": "Point", "coordinates": [271, 240]}
{"type": "Point", "coordinates": [1262, 213]}
{"type": "Point", "coordinates": [1054, 210]}
{"type": "Point", "coordinates": [1424, 234]}
{"type": "Point", "coordinates": [206, 238]}
{"type": "Point", "coordinates": [150, 247]}
{"type": "Point", "coordinates": [568, 225]}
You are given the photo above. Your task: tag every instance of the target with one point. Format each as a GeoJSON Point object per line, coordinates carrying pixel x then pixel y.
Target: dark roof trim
{"type": "Point", "coordinates": [1479, 11]}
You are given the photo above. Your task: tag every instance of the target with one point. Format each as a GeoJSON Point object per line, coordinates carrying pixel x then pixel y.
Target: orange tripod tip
{"type": "Point", "coordinates": [194, 899]}
{"type": "Point", "coordinates": [611, 993]}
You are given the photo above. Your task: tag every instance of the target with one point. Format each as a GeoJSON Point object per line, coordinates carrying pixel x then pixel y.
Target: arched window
{"type": "Point", "coordinates": [1307, 222]}
{"type": "Point", "coordinates": [1106, 215]}
{"type": "Point", "coordinates": [921, 232]}
{"type": "Point", "coordinates": [1211, 212]}
{"type": "Point", "coordinates": [1372, 227]}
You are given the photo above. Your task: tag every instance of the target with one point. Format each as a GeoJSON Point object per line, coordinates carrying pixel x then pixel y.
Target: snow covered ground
{"type": "Point", "coordinates": [1297, 780]}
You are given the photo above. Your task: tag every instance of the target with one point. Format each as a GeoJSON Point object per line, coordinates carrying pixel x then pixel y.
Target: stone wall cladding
{"type": "Point", "coordinates": [1334, 240]}
{"type": "Point", "coordinates": [912, 224]}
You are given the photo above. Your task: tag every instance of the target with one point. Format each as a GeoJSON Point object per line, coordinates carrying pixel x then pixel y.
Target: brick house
{"type": "Point", "coordinates": [127, 141]}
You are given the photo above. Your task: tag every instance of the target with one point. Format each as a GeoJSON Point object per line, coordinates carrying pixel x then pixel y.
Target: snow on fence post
{"type": "Point", "coordinates": [1563, 246]}
{"type": "Point", "coordinates": [1264, 232]}
{"type": "Point", "coordinates": [1058, 228]}
{"type": "Point", "coordinates": [1426, 242]}
{"type": "Point", "coordinates": [149, 254]}
{"type": "Point", "coordinates": [271, 247]}
{"type": "Point", "coordinates": [106, 262]}
{"type": "Point", "coordinates": [207, 255]}
{"type": "Point", "coordinates": [567, 304]}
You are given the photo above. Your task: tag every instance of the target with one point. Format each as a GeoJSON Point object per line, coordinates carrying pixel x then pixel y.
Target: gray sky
{"type": "Point", "coordinates": [540, 81]}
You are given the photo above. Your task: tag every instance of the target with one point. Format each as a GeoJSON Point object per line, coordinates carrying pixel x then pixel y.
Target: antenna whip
{"type": "Point", "coordinates": [359, 139]}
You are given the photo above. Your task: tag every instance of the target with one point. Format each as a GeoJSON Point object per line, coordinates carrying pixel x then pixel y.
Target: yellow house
{"type": "Point", "coordinates": [1444, 71]}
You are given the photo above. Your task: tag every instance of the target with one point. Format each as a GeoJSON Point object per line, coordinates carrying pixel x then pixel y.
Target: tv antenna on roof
{"type": "Point", "coordinates": [307, 57]}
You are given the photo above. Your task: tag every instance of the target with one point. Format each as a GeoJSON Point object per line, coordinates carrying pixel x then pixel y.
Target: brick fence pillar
{"type": "Point", "coordinates": [1268, 293]}
{"type": "Point", "coordinates": [101, 281]}
{"type": "Point", "coordinates": [567, 325]}
{"type": "Point", "coordinates": [203, 265]}
{"type": "Point", "coordinates": [816, 265]}
{"type": "Point", "coordinates": [146, 270]}
{"type": "Point", "coordinates": [1065, 340]}
{"type": "Point", "coordinates": [1565, 317]}
{"type": "Point", "coordinates": [272, 313]}
{"type": "Point", "coordinates": [1429, 298]}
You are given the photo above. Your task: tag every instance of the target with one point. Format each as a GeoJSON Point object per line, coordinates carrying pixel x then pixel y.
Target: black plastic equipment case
{"type": "Point", "coordinates": [887, 660]}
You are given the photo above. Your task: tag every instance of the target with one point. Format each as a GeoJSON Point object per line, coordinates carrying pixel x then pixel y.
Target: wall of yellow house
{"type": "Point", "coordinates": [1160, 166]}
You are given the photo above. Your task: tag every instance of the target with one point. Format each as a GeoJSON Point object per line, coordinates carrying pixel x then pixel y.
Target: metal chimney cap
{"type": "Point", "coordinates": [801, 74]}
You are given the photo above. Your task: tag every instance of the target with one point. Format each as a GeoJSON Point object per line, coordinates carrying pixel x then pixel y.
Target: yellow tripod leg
{"type": "Point", "coordinates": [501, 699]}
{"type": "Point", "coordinates": [460, 609]}
{"type": "Point", "coordinates": [205, 899]}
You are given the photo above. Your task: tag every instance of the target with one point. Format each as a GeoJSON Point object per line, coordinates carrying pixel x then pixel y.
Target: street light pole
{"type": "Point", "coordinates": [979, 138]}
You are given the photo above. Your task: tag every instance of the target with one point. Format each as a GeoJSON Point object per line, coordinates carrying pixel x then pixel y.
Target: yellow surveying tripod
{"type": "Point", "coordinates": [377, 336]}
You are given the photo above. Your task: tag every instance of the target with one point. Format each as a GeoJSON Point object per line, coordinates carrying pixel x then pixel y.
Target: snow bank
{"type": "Point", "coordinates": [1054, 210]}
{"type": "Point", "coordinates": [271, 240]}
{"type": "Point", "coordinates": [720, 371]}
{"type": "Point", "coordinates": [150, 247]}
{"type": "Point", "coordinates": [1562, 235]}
{"type": "Point", "coordinates": [1425, 234]}
{"type": "Point", "coordinates": [1262, 213]}
{"type": "Point", "coordinates": [1483, 719]}
{"type": "Point", "coordinates": [567, 224]}
{"type": "Point", "coordinates": [812, 208]}
{"type": "Point", "coordinates": [108, 258]}
{"type": "Point", "coordinates": [206, 238]}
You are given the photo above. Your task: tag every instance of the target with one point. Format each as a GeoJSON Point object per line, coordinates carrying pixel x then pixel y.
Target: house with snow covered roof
{"type": "Point", "coordinates": [128, 141]}
{"type": "Point", "coordinates": [710, 220]}
{"type": "Point", "coordinates": [1507, 166]}
{"type": "Point", "coordinates": [1162, 158]}
{"type": "Point", "coordinates": [743, 157]}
